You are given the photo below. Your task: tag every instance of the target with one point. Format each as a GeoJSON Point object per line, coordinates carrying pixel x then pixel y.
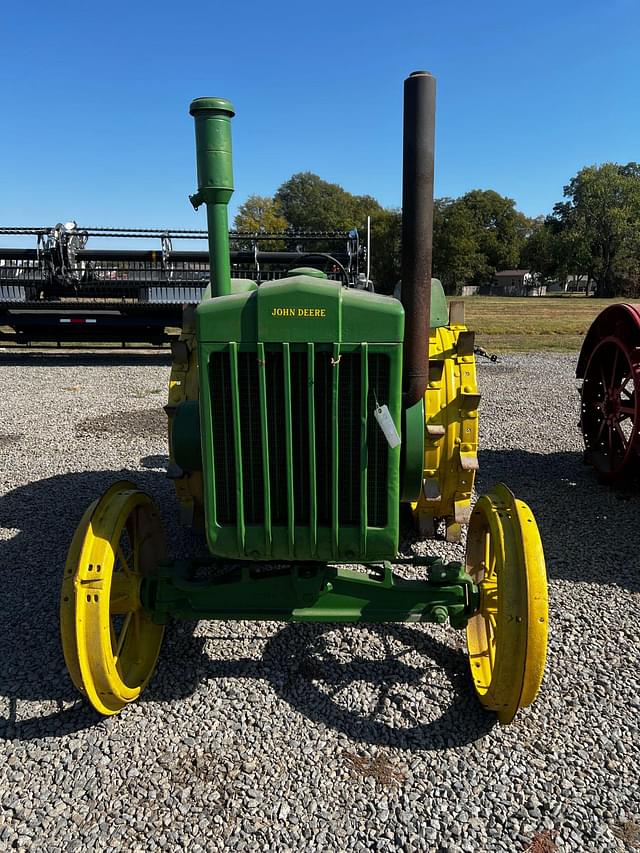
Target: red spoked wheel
{"type": "Point", "coordinates": [610, 418]}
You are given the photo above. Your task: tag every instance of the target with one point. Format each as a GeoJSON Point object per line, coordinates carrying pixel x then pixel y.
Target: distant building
{"type": "Point", "coordinates": [470, 289]}
{"type": "Point", "coordinates": [517, 283]}
{"type": "Point", "coordinates": [579, 284]}
{"type": "Point", "coordinates": [573, 284]}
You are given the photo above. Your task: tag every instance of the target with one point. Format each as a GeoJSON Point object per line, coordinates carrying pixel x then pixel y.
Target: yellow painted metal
{"type": "Point", "coordinates": [451, 432]}
{"type": "Point", "coordinates": [183, 385]}
{"type": "Point", "coordinates": [507, 638]}
{"type": "Point", "coordinates": [67, 600]}
{"type": "Point", "coordinates": [110, 644]}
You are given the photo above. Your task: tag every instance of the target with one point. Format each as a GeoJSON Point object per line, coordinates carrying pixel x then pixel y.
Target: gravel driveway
{"type": "Point", "coordinates": [262, 737]}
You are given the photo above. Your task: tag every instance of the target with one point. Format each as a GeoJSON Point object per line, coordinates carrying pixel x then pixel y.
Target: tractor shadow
{"type": "Point", "coordinates": [36, 525]}
{"type": "Point", "coordinates": [96, 357]}
{"type": "Point", "coordinates": [422, 682]}
{"type": "Point", "coordinates": [595, 538]}
{"type": "Point", "coordinates": [590, 531]}
{"type": "Point", "coordinates": [37, 698]}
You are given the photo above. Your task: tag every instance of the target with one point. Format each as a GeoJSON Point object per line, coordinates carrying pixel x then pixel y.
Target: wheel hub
{"type": "Point", "coordinates": [611, 404]}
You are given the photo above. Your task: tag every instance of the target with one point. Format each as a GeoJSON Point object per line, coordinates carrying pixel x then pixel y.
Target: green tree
{"type": "Point", "coordinates": [499, 229]}
{"type": "Point", "coordinates": [308, 202]}
{"type": "Point", "coordinates": [260, 214]}
{"type": "Point", "coordinates": [456, 260]}
{"type": "Point", "coordinates": [541, 252]}
{"type": "Point", "coordinates": [386, 249]}
{"type": "Point", "coordinates": [476, 235]}
{"type": "Point", "coordinates": [598, 227]}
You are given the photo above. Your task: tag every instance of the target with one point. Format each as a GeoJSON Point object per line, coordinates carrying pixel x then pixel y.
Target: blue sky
{"type": "Point", "coordinates": [95, 99]}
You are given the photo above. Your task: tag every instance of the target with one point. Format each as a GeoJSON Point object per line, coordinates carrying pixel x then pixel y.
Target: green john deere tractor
{"type": "Point", "coordinates": [302, 413]}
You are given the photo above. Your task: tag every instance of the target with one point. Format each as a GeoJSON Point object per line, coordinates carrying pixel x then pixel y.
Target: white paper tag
{"type": "Point", "coordinates": [383, 416]}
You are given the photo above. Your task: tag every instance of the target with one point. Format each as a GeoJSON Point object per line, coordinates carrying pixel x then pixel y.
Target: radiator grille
{"type": "Point", "coordinates": [284, 406]}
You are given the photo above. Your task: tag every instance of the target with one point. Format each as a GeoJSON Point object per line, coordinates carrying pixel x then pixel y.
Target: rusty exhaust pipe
{"type": "Point", "coordinates": [417, 229]}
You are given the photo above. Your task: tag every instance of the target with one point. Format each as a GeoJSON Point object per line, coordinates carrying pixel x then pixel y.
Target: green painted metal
{"type": "Point", "coordinates": [295, 466]}
{"type": "Point", "coordinates": [439, 314]}
{"type": "Point", "coordinates": [215, 182]}
{"type": "Point", "coordinates": [300, 309]}
{"type": "Point", "coordinates": [301, 322]}
{"type": "Point", "coordinates": [312, 271]}
{"type": "Point", "coordinates": [311, 592]}
{"type": "Point", "coordinates": [238, 285]}
{"type": "Point", "coordinates": [288, 451]}
{"type": "Point", "coordinates": [412, 457]}
{"type": "Point", "coordinates": [237, 444]}
{"type": "Point", "coordinates": [185, 436]}
{"type": "Point", "coordinates": [313, 480]}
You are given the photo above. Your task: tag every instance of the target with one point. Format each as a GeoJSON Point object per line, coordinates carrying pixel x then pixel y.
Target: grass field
{"type": "Point", "coordinates": [512, 324]}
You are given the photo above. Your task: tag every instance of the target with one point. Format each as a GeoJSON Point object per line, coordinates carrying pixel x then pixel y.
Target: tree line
{"type": "Point", "coordinates": [594, 232]}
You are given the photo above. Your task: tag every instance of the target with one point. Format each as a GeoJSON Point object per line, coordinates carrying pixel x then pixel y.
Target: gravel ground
{"type": "Point", "coordinates": [259, 737]}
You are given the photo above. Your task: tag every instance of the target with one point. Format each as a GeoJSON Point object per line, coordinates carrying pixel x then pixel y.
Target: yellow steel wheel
{"type": "Point", "coordinates": [507, 638]}
{"type": "Point", "coordinates": [67, 600]}
{"type": "Point", "coordinates": [110, 643]}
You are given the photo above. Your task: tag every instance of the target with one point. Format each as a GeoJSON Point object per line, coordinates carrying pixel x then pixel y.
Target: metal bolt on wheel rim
{"type": "Point", "coordinates": [110, 644]}
{"type": "Point", "coordinates": [507, 638]}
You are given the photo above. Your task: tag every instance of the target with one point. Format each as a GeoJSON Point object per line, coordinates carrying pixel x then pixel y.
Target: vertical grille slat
{"type": "Point", "coordinates": [377, 447]}
{"type": "Point", "coordinates": [251, 436]}
{"type": "Point", "coordinates": [295, 443]}
{"type": "Point", "coordinates": [222, 436]}
{"type": "Point", "coordinates": [349, 439]}
{"type": "Point", "coordinates": [275, 414]}
{"type": "Point", "coordinates": [334, 427]}
{"type": "Point", "coordinates": [264, 423]}
{"type": "Point", "coordinates": [324, 464]}
{"type": "Point", "coordinates": [311, 421]}
{"type": "Point", "coordinates": [300, 410]}
{"type": "Point", "coordinates": [288, 456]}
{"type": "Point", "coordinates": [237, 444]}
{"type": "Point", "coordinates": [364, 414]}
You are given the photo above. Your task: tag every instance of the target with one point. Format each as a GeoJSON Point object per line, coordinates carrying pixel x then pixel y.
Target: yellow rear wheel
{"type": "Point", "coordinates": [507, 638]}
{"type": "Point", "coordinates": [110, 644]}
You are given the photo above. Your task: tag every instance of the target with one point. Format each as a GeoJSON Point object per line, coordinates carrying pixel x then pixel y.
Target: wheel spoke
{"type": "Point", "coordinates": [624, 382]}
{"type": "Point", "coordinates": [622, 436]}
{"type": "Point", "coordinates": [490, 600]}
{"type": "Point", "coordinates": [489, 558]}
{"type": "Point", "coordinates": [490, 636]}
{"type": "Point", "coordinates": [123, 560]}
{"type": "Point", "coordinates": [133, 535]}
{"type": "Point", "coordinates": [603, 377]}
{"type": "Point", "coordinates": [122, 636]}
{"type": "Point", "coordinates": [613, 368]}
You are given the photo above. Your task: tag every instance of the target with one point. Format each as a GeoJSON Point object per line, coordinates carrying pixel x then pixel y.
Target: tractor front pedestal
{"type": "Point", "coordinates": [310, 592]}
